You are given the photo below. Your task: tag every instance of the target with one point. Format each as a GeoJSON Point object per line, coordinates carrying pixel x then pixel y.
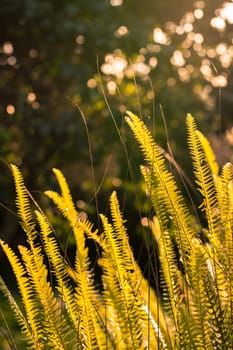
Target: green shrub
{"type": "Point", "coordinates": [63, 309]}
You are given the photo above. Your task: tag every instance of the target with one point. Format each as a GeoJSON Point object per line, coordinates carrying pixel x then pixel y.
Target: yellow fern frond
{"type": "Point", "coordinates": [22, 202]}
{"type": "Point", "coordinates": [16, 309]}
{"type": "Point", "coordinates": [92, 331]}
{"type": "Point", "coordinates": [67, 207]}
{"type": "Point", "coordinates": [200, 278]}
{"type": "Point", "coordinates": [48, 307]}
{"type": "Point", "coordinates": [65, 204]}
{"type": "Point", "coordinates": [224, 196]}
{"type": "Point", "coordinates": [35, 335]}
{"type": "Point", "coordinates": [60, 269]}
{"type": "Point", "coordinates": [209, 153]}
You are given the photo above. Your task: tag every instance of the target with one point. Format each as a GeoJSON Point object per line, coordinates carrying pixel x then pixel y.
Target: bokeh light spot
{"type": "Point", "coordinates": [218, 23]}
{"type": "Point", "coordinates": [160, 37]}
{"type": "Point", "coordinates": [80, 39]}
{"type": "Point", "coordinates": [177, 58]}
{"type": "Point", "coordinates": [8, 48]}
{"type": "Point", "coordinates": [219, 81]}
{"type": "Point", "coordinates": [111, 86]}
{"type": "Point", "coordinates": [91, 83]}
{"type": "Point", "coordinates": [11, 60]}
{"type": "Point", "coordinates": [121, 31]}
{"type": "Point", "coordinates": [33, 53]}
{"type": "Point", "coordinates": [198, 13]}
{"type": "Point", "coordinates": [116, 2]}
{"type": "Point", "coordinates": [227, 12]}
{"type": "Point", "coordinates": [31, 97]}
{"type": "Point", "coordinates": [10, 109]}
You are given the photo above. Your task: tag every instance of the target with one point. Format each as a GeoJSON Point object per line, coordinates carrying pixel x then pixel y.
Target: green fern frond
{"type": "Point", "coordinates": [163, 188]}
{"type": "Point", "coordinates": [126, 291]}
{"type": "Point", "coordinates": [200, 278]}
{"type": "Point", "coordinates": [225, 207]}
{"type": "Point", "coordinates": [172, 276]}
{"type": "Point", "coordinates": [204, 177]}
{"type": "Point", "coordinates": [121, 297]}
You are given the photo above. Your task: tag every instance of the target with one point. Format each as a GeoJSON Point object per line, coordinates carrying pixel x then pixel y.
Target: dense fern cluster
{"type": "Point", "coordinates": [67, 311]}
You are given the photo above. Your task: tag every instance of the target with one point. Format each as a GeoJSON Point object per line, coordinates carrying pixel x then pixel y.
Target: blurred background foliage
{"type": "Point", "coordinates": [71, 66]}
{"type": "Point", "coordinates": [65, 61]}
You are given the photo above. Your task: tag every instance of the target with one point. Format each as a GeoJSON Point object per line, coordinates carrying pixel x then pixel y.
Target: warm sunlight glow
{"type": "Point", "coordinates": [192, 43]}
{"type": "Point", "coordinates": [227, 12]}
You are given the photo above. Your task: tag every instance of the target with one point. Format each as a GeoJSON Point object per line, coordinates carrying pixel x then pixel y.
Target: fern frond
{"type": "Point", "coordinates": [88, 327]}
{"type": "Point", "coordinates": [33, 330]}
{"type": "Point", "coordinates": [23, 203]}
{"type": "Point", "coordinates": [224, 196]}
{"type": "Point", "coordinates": [200, 281]}
{"type": "Point", "coordinates": [22, 321]}
{"type": "Point", "coordinates": [92, 332]}
{"type": "Point", "coordinates": [172, 276]}
{"type": "Point", "coordinates": [52, 319]}
{"type": "Point", "coordinates": [209, 153]}
{"type": "Point", "coordinates": [123, 250]}
{"type": "Point", "coordinates": [65, 204]}
{"type": "Point", "coordinates": [60, 269]}
{"type": "Point", "coordinates": [64, 201]}
{"type": "Point", "coordinates": [204, 177]}
{"type": "Point", "coordinates": [167, 194]}
{"type": "Point", "coordinates": [126, 291]}
{"type": "Point", "coordinates": [121, 299]}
